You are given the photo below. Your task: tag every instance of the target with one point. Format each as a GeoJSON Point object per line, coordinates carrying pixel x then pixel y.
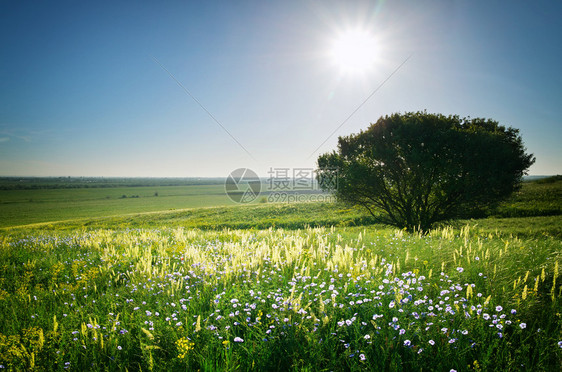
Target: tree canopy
{"type": "Point", "coordinates": [414, 169]}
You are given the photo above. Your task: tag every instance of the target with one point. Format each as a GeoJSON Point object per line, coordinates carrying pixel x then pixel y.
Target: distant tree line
{"type": "Point", "coordinates": [38, 183]}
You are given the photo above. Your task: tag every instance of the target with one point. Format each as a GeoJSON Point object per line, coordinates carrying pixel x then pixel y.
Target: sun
{"type": "Point", "coordinates": [354, 51]}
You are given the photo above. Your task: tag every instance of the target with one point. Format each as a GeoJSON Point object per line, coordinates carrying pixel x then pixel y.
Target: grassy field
{"type": "Point", "coordinates": [279, 287]}
{"type": "Point", "coordinates": [182, 205]}
{"type": "Point", "coordinates": [43, 202]}
{"type": "Point", "coordinates": [538, 198]}
{"type": "Point", "coordinates": [20, 207]}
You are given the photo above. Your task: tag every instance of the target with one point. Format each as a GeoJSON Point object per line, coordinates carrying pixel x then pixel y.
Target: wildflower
{"type": "Point", "coordinates": [184, 344]}
{"type": "Point", "coordinates": [460, 269]}
{"type": "Point", "coordinates": [366, 337]}
{"type": "Point", "coordinates": [431, 342]}
{"type": "Point", "coordinates": [407, 342]}
{"type": "Point", "coordinates": [238, 339]}
{"type": "Point", "coordinates": [560, 344]}
{"type": "Point", "coordinates": [119, 348]}
{"type": "Point", "coordinates": [499, 308]}
{"type": "Point", "coordinates": [523, 325]}
{"type": "Point", "coordinates": [362, 356]}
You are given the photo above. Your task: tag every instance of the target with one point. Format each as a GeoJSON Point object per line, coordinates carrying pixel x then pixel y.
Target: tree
{"type": "Point", "coordinates": [414, 169]}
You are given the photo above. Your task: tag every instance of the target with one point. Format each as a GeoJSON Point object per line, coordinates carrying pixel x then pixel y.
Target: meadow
{"type": "Point", "coordinates": [308, 286]}
{"type": "Point", "coordinates": [48, 200]}
{"type": "Point", "coordinates": [27, 206]}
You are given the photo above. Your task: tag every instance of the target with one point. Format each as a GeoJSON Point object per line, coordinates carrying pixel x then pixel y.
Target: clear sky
{"type": "Point", "coordinates": [84, 89]}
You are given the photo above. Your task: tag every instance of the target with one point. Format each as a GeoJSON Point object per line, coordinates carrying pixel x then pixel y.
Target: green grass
{"type": "Point", "coordinates": [20, 207]}
{"type": "Point", "coordinates": [278, 300]}
{"type": "Point", "coordinates": [280, 287]}
{"type": "Point", "coordinates": [287, 216]}
{"type": "Point", "coordinates": [538, 198]}
{"type": "Point", "coordinates": [181, 206]}
{"type": "Point", "coordinates": [32, 206]}
{"type": "Point", "coordinates": [259, 216]}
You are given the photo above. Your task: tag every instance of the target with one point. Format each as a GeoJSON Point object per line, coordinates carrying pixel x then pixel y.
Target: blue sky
{"type": "Point", "coordinates": [83, 93]}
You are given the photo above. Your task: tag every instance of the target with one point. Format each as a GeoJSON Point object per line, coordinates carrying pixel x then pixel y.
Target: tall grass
{"type": "Point", "coordinates": [275, 299]}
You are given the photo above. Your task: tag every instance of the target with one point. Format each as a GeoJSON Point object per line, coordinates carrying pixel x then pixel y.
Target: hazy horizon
{"type": "Point", "coordinates": [196, 90]}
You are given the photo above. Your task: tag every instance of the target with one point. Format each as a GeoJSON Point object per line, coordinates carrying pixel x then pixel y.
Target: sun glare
{"type": "Point", "coordinates": [354, 51]}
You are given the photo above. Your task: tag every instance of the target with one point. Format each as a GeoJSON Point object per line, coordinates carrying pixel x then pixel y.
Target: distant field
{"type": "Point", "coordinates": [20, 207]}
{"type": "Point", "coordinates": [35, 202]}
{"type": "Point", "coordinates": [535, 210]}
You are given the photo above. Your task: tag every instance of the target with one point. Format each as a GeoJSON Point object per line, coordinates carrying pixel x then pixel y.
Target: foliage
{"type": "Point", "coordinates": [277, 300]}
{"type": "Point", "coordinates": [419, 168]}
